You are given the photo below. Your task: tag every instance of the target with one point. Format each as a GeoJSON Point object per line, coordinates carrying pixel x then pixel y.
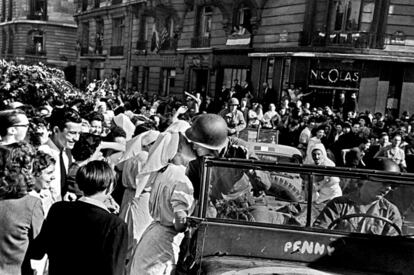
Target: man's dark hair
{"type": "Point", "coordinates": [96, 176]}
{"type": "Point", "coordinates": [95, 116]}
{"type": "Point", "coordinates": [114, 133]}
{"type": "Point", "coordinates": [8, 118]}
{"type": "Point", "coordinates": [85, 146]}
{"type": "Point", "coordinates": [61, 116]}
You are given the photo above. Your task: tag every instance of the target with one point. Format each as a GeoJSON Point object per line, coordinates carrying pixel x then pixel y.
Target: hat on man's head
{"type": "Point", "coordinates": [234, 101]}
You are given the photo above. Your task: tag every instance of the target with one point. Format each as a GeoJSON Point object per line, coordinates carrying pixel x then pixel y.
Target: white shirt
{"type": "Point", "coordinates": [50, 148]}
{"type": "Point", "coordinates": [94, 202]}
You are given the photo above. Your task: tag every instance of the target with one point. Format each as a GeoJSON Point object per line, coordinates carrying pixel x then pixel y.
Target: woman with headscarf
{"type": "Point", "coordinates": [171, 201]}
{"type": "Point", "coordinates": [134, 207]}
{"type": "Point", "coordinates": [318, 134]}
{"type": "Point", "coordinates": [327, 187]}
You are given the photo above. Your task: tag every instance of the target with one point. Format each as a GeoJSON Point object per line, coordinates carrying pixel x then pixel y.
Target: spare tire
{"type": "Point", "coordinates": [286, 187]}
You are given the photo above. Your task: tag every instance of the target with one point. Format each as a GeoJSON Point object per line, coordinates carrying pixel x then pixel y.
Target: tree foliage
{"type": "Point", "coordinates": [34, 84]}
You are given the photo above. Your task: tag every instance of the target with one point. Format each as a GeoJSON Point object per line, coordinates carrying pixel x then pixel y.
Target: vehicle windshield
{"type": "Point", "coordinates": [326, 198]}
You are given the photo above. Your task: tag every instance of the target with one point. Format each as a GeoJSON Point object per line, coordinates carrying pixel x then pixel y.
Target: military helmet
{"type": "Point", "coordinates": [208, 131]}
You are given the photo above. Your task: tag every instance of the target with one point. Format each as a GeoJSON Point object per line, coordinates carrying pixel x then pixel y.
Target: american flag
{"type": "Point", "coordinates": [163, 37]}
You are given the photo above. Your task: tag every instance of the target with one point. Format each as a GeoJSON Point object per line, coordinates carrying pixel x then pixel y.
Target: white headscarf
{"type": "Point", "coordinates": [125, 123]}
{"type": "Point", "coordinates": [163, 150]}
{"type": "Point", "coordinates": [326, 161]}
{"type": "Point", "coordinates": [134, 146]}
{"type": "Point", "coordinates": [178, 126]}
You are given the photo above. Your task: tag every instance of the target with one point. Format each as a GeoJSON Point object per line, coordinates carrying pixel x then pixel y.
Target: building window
{"type": "Point", "coordinates": [10, 16]}
{"type": "Point", "coordinates": [145, 79]}
{"type": "Point", "coordinates": [84, 77]}
{"type": "Point", "coordinates": [3, 10]}
{"type": "Point", "coordinates": [206, 23]}
{"type": "Point", "coordinates": [115, 78]}
{"type": "Point", "coordinates": [270, 70]}
{"type": "Point", "coordinates": [3, 41]}
{"type": "Point", "coordinates": [84, 5]}
{"type": "Point", "coordinates": [117, 47]}
{"type": "Point", "coordinates": [242, 18]}
{"type": "Point", "coordinates": [142, 34]}
{"type": "Point", "coordinates": [85, 38]}
{"type": "Point", "coordinates": [114, 2]}
{"type": "Point", "coordinates": [36, 44]}
{"type": "Point", "coordinates": [11, 42]}
{"type": "Point", "coordinates": [38, 10]}
{"type": "Point", "coordinates": [168, 40]}
{"type": "Point", "coordinates": [345, 15]}
{"type": "Point", "coordinates": [117, 31]}
{"type": "Point", "coordinates": [134, 78]}
{"type": "Point", "coordinates": [99, 74]}
{"type": "Point", "coordinates": [168, 80]}
{"type": "Point", "coordinates": [99, 36]}
{"type": "Point", "coordinates": [231, 74]}
{"type": "Point", "coordinates": [97, 3]}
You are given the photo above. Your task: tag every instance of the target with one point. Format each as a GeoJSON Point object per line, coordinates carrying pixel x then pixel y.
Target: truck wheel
{"type": "Point", "coordinates": [286, 187]}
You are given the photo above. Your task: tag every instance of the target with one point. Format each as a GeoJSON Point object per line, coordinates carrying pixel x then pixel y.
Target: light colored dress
{"type": "Point", "coordinates": [157, 252]}
{"type": "Point", "coordinates": [45, 195]}
{"type": "Point", "coordinates": [134, 207]}
{"type": "Point", "coordinates": [328, 188]}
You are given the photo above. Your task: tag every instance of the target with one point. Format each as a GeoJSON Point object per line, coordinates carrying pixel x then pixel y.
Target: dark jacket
{"type": "Point", "coordinates": [81, 238]}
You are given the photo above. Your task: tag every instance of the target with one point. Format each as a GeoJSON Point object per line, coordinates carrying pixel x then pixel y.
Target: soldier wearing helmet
{"type": "Point", "coordinates": [233, 117]}
{"type": "Point", "coordinates": [208, 133]}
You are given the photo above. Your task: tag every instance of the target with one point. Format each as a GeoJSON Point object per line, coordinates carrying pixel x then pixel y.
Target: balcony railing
{"type": "Point", "coordinates": [141, 45]}
{"type": "Point", "coordinates": [32, 50]}
{"type": "Point", "coordinates": [37, 16]}
{"type": "Point", "coordinates": [99, 50]}
{"type": "Point", "coordinates": [200, 42]}
{"type": "Point", "coordinates": [348, 39]}
{"type": "Point", "coordinates": [117, 50]}
{"type": "Point", "coordinates": [169, 44]}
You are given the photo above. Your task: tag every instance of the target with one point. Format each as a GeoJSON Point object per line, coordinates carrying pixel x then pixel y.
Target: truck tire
{"type": "Point", "coordinates": [286, 187]}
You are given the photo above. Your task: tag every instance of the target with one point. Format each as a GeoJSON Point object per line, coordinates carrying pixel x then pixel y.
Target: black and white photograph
{"type": "Point", "coordinates": [206, 137]}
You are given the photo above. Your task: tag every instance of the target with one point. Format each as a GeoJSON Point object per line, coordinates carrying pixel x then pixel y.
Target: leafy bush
{"type": "Point", "coordinates": [33, 84]}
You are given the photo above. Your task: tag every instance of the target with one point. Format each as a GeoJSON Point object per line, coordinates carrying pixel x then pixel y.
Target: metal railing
{"type": "Point", "coordinates": [117, 50]}
{"type": "Point", "coordinates": [200, 42]}
{"type": "Point", "coordinates": [39, 16]}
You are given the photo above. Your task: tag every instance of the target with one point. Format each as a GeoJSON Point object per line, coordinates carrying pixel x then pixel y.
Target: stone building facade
{"type": "Point", "coordinates": [329, 48]}
{"type": "Point", "coordinates": [44, 31]}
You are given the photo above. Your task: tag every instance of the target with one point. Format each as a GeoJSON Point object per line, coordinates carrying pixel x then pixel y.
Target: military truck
{"type": "Point", "coordinates": [272, 234]}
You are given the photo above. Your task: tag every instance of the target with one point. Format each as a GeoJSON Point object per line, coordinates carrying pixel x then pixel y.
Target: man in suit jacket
{"type": "Point", "coordinates": [83, 237]}
{"type": "Point", "coordinates": [66, 125]}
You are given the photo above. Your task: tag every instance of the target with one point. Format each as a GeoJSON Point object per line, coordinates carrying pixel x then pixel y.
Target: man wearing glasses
{"type": "Point", "coordinates": [13, 126]}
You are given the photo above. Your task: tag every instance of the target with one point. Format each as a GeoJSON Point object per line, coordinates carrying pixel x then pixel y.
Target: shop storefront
{"type": "Point", "coordinates": [381, 83]}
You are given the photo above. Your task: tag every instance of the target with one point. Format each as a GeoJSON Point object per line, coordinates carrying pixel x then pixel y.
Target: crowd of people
{"type": "Point", "coordinates": [107, 188]}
